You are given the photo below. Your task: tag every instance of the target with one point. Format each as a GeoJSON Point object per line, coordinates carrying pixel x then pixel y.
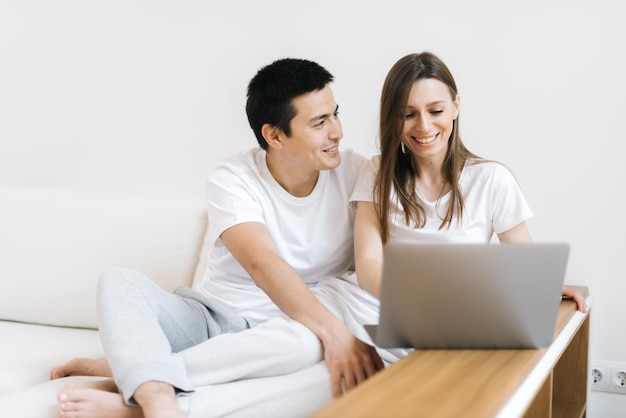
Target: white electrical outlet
{"type": "Point", "coordinates": [600, 376]}
{"type": "Point", "coordinates": [618, 378]}
{"type": "Point", "coordinates": [608, 376]}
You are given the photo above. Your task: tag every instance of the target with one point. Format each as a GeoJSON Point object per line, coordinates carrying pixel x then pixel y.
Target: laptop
{"type": "Point", "coordinates": [470, 296]}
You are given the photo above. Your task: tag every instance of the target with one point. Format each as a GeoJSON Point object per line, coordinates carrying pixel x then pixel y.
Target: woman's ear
{"type": "Point", "coordinates": [457, 105]}
{"type": "Point", "coordinates": [272, 135]}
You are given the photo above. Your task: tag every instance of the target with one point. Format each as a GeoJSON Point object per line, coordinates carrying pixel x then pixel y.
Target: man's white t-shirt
{"type": "Point", "coordinates": [493, 202]}
{"type": "Point", "coordinates": [313, 234]}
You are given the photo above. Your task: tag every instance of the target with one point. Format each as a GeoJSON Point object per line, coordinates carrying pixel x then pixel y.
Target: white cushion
{"type": "Point", "coordinates": [28, 353]}
{"type": "Point", "coordinates": [38, 401]}
{"type": "Point", "coordinates": [203, 261]}
{"type": "Point", "coordinates": [55, 244]}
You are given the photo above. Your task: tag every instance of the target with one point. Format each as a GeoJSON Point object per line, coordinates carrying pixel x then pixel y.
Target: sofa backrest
{"type": "Point", "coordinates": [54, 244]}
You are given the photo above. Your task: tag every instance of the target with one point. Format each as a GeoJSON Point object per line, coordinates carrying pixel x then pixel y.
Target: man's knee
{"type": "Point", "coordinates": [298, 340]}
{"type": "Point", "coordinates": [117, 279]}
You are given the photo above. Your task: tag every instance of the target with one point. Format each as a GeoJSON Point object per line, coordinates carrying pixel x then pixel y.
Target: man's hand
{"type": "Point", "coordinates": [350, 360]}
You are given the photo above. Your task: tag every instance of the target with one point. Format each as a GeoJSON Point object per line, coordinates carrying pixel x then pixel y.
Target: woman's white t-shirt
{"type": "Point", "coordinates": [493, 202]}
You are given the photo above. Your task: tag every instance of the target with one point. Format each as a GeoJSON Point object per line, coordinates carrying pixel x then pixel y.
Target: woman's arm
{"type": "Point", "coordinates": [520, 233]}
{"type": "Point", "coordinates": [368, 248]}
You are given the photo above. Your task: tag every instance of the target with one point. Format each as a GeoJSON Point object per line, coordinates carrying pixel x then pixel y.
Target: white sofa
{"type": "Point", "coordinates": [54, 244]}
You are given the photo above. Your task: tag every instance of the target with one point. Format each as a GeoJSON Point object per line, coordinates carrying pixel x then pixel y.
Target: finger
{"type": "Point", "coordinates": [350, 380]}
{"type": "Point", "coordinates": [378, 362]}
{"type": "Point", "coordinates": [361, 372]}
{"type": "Point", "coordinates": [372, 363]}
{"type": "Point", "coordinates": [335, 378]}
{"type": "Point", "coordinates": [581, 304]}
{"type": "Point", "coordinates": [369, 367]}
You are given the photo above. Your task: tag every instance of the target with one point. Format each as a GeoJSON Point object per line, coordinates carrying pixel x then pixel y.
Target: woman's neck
{"type": "Point", "coordinates": [430, 179]}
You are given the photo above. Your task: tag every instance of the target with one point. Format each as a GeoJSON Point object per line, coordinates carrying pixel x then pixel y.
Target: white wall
{"type": "Point", "coordinates": [144, 96]}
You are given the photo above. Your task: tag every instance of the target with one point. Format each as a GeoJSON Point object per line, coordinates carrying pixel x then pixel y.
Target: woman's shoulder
{"type": "Point", "coordinates": [374, 161]}
{"type": "Point", "coordinates": [370, 165]}
{"type": "Point", "coordinates": [486, 170]}
{"type": "Point", "coordinates": [477, 167]}
{"type": "Point", "coordinates": [483, 166]}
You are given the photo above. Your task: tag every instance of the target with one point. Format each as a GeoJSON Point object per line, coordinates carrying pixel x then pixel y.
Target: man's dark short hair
{"type": "Point", "coordinates": [272, 89]}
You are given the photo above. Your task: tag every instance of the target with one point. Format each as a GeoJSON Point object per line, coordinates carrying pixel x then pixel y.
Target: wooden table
{"type": "Point", "coordinates": [549, 382]}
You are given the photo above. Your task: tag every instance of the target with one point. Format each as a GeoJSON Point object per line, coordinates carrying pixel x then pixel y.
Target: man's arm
{"type": "Point", "coordinates": [347, 357]}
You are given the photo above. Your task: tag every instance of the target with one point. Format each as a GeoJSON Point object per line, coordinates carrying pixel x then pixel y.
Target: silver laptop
{"type": "Point", "coordinates": [470, 296]}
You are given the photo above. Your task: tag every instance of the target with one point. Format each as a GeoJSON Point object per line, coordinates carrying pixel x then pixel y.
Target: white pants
{"type": "Point", "coordinates": [151, 334]}
{"type": "Point", "coordinates": [296, 395]}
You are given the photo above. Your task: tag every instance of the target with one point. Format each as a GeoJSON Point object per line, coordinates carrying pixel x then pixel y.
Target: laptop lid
{"type": "Point", "coordinates": [470, 296]}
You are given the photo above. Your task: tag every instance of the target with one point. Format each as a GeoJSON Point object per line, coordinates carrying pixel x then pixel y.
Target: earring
{"type": "Point", "coordinates": [402, 147]}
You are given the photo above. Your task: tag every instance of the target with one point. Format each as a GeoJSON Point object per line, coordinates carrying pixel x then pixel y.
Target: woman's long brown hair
{"type": "Point", "coordinates": [397, 171]}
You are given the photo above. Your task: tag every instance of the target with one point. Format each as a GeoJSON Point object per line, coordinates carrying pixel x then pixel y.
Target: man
{"type": "Point", "coordinates": [280, 225]}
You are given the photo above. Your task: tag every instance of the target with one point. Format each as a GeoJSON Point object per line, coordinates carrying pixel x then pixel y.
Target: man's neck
{"type": "Point", "coordinates": [295, 181]}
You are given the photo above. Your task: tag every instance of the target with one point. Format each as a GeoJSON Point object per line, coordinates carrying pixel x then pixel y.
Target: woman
{"type": "Point", "coordinates": [426, 185]}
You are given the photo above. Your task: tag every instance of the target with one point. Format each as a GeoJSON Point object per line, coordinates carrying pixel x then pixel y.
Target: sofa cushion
{"type": "Point", "coordinates": [55, 243]}
{"type": "Point", "coordinates": [38, 401]}
{"type": "Point", "coordinates": [203, 261]}
{"type": "Point", "coordinates": [28, 353]}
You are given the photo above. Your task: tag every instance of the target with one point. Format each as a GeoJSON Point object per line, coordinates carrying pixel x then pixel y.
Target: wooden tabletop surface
{"type": "Point", "coordinates": [445, 383]}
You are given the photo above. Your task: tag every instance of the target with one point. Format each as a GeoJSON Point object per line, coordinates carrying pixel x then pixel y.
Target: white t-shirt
{"type": "Point", "coordinates": [313, 234]}
{"type": "Point", "coordinates": [493, 202]}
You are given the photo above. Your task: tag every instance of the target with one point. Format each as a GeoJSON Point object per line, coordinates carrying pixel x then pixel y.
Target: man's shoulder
{"type": "Point", "coordinates": [239, 161]}
{"type": "Point", "coordinates": [236, 169]}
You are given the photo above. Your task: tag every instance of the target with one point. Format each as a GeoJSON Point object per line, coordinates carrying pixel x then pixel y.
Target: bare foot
{"type": "Point", "coordinates": [82, 367]}
{"type": "Point", "coordinates": [105, 385]}
{"type": "Point", "coordinates": [87, 402]}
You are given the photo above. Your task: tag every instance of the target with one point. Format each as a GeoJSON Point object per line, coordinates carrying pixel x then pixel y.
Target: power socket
{"type": "Point", "coordinates": [618, 379]}
{"type": "Point", "coordinates": [600, 379]}
{"type": "Point", "coordinates": [608, 376]}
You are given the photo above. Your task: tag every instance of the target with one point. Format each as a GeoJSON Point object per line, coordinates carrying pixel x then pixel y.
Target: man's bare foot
{"type": "Point", "coordinates": [158, 400]}
{"type": "Point", "coordinates": [105, 385]}
{"type": "Point", "coordinates": [87, 402]}
{"type": "Point", "coordinates": [82, 367]}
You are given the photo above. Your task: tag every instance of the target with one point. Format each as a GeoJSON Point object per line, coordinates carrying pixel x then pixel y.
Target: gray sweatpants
{"type": "Point", "coordinates": [152, 334]}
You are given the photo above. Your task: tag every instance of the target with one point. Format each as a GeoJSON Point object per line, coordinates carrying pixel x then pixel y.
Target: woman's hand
{"type": "Point", "coordinates": [568, 292]}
